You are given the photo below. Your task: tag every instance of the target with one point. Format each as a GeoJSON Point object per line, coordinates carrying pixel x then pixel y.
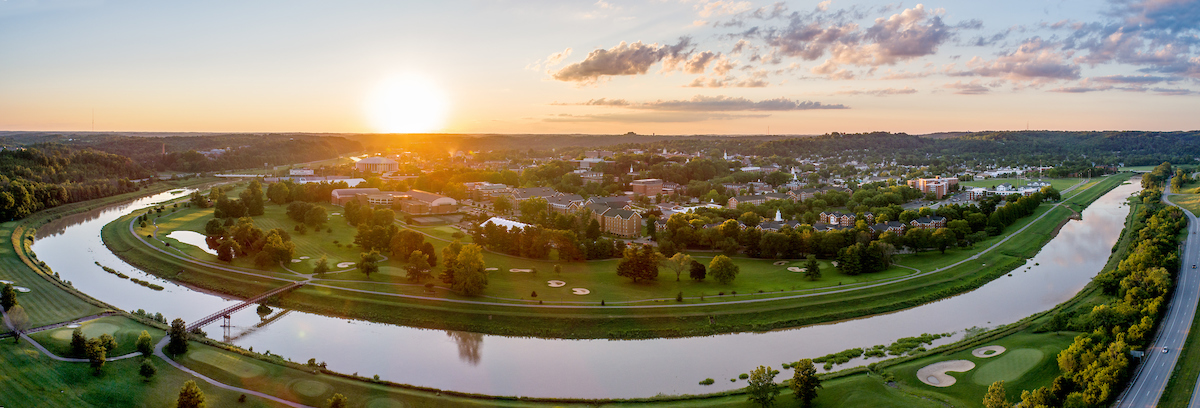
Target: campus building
{"type": "Point", "coordinates": [647, 187]}
{"type": "Point", "coordinates": [938, 186]}
{"type": "Point", "coordinates": [413, 202]}
{"type": "Point", "coordinates": [377, 165]}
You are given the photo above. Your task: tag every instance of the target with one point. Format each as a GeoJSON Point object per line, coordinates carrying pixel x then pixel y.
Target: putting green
{"type": "Point", "coordinates": [1008, 366]}
{"type": "Point", "coordinates": [310, 388]}
{"type": "Point", "coordinates": [385, 403]}
{"type": "Point", "coordinates": [90, 330]}
{"type": "Point", "coordinates": [227, 362]}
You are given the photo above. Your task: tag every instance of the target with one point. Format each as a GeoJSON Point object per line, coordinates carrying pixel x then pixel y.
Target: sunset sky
{"type": "Point", "coordinates": [608, 66]}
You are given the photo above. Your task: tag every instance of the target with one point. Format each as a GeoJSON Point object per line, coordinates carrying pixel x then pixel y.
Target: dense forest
{"type": "Point", "coordinates": [47, 175]}
{"type": "Point", "coordinates": [182, 153]}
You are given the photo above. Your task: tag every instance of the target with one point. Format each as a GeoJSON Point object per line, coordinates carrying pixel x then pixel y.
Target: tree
{"type": "Point", "coordinates": [338, 401]}
{"type": "Point", "coordinates": [227, 249]}
{"type": "Point", "coordinates": [144, 344]}
{"type": "Point", "coordinates": [418, 266]}
{"type": "Point", "coordinates": [367, 263]}
{"type": "Point", "coordinates": [638, 263]}
{"type": "Point", "coordinates": [178, 344]}
{"type": "Point", "coordinates": [316, 216]}
{"type": "Point", "coordinates": [449, 261]}
{"type": "Point", "coordinates": [108, 342]}
{"type": "Point", "coordinates": [761, 386]}
{"type": "Point", "coordinates": [279, 193]}
{"type": "Point", "coordinates": [322, 266]}
{"type": "Point", "coordinates": [697, 271]}
{"type": "Point", "coordinates": [96, 354]}
{"type": "Point", "coordinates": [812, 269]}
{"type": "Point", "coordinates": [470, 278]}
{"type": "Point", "coordinates": [19, 320]}
{"type": "Point", "coordinates": [190, 396]}
{"type": "Point", "coordinates": [996, 397]}
{"type": "Point", "coordinates": [805, 382]}
{"type": "Point", "coordinates": [78, 342]}
{"type": "Point", "coordinates": [942, 238]}
{"type": "Point", "coordinates": [502, 205]}
{"type": "Point", "coordinates": [252, 197]}
{"type": "Point", "coordinates": [678, 263]}
{"type": "Point", "coordinates": [593, 230]}
{"type": "Point", "coordinates": [213, 228]}
{"type": "Point", "coordinates": [147, 369]}
{"type": "Point", "coordinates": [8, 296]}
{"type": "Point", "coordinates": [723, 269]}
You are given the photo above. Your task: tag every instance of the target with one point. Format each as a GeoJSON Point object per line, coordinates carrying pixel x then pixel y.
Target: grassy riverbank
{"type": "Point", "coordinates": [509, 308]}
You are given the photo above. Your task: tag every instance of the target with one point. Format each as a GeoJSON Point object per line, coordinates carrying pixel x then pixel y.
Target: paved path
{"type": "Point", "coordinates": [626, 304]}
{"type": "Point", "coordinates": [158, 351]}
{"type": "Point", "coordinates": [25, 336]}
{"type": "Point", "coordinates": [1150, 379]}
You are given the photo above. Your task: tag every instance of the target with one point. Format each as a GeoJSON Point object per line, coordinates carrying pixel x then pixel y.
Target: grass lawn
{"type": "Point", "coordinates": [125, 330]}
{"type": "Point", "coordinates": [33, 380]}
{"type": "Point", "coordinates": [1059, 184]}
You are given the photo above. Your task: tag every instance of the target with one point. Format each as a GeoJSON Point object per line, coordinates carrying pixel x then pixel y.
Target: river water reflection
{"type": "Point", "coordinates": [501, 365]}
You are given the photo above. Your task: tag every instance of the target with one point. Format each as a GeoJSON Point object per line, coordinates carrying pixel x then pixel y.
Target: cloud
{"type": "Point", "coordinates": [757, 79]}
{"type": "Point", "coordinates": [652, 117]}
{"type": "Point", "coordinates": [973, 88]}
{"type": "Point", "coordinates": [1130, 79]}
{"type": "Point", "coordinates": [623, 59]}
{"type": "Point", "coordinates": [909, 34]}
{"type": "Point", "coordinates": [721, 103]}
{"type": "Point", "coordinates": [721, 7]}
{"type": "Point", "coordinates": [1159, 35]}
{"type": "Point", "coordinates": [699, 62]}
{"type": "Point", "coordinates": [1035, 60]}
{"type": "Point", "coordinates": [552, 60]}
{"type": "Point", "coordinates": [879, 92]}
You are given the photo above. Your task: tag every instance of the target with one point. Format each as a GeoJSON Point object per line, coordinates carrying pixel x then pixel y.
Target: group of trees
{"type": "Point", "coordinates": [250, 202]}
{"type": "Point", "coordinates": [307, 213]}
{"type": "Point", "coordinates": [245, 240]}
{"type": "Point", "coordinates": [48, 175]}
{"type": "Point", "coordinates": [463, 268]}
{"type": "Point", "coordinates": [287, 191]}
{"type": "Point", "coordinates": [762, 390]}
{"type": "Point", "coordinates": [1096, 365]}
{"type": "Point", "coordinates": [536, 242]}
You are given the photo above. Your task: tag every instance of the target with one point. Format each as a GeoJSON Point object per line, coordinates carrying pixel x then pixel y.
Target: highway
{"type": "Point", "coordinates": [1150, 379]}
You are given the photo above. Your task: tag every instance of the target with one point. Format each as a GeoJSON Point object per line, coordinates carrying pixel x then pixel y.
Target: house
{"type": "Point", "coordinates": [413, 202]}
{"type": "Point", "coordinates": [937, 186]}
{"type": "Point", "coordinates": [755, 199]}
{"type": "Point", "coordinates": [895, 227]}
{"type": "Point", "coordinates": [565, 203]}
{"type": "Point", "coordinates": [622, 222]}
{"type": "Point", "coordinates": [933, 222]}
{"type": "Point", "coordinates": [377, 165]}
{"type": "Point", "coordinates": [521, 194]}
{"type": "Point", "coordinates": [647, 187]}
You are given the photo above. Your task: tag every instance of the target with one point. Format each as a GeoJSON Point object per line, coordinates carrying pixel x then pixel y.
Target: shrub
{"type": "Point", "coordinates": [743, 376]}
{"type": "Point", "coordinates": [707, 381]}
{"type": "Point", "coordinates": [679, 297]}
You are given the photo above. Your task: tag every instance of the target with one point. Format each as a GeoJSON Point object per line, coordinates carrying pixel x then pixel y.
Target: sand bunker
{"type": "Point", "coordinates": [335, 214]}
{"type": "Point", "coordinates": [797, 269]}
{"type": "Point", "coordinates": [5, 282]}
{"type": "Point", "coordinates": [580, 291]}
{"type": "Point", "coordinates": [521, 270]}
{"type": "Point", "coordinates": [491, 269]}
{"type": "Point", "coordinates": [297, 260]}
{"type": "Point", "coordinates": [345, 264]}
{"type": "Point", "coordinates": [72, 325]}
{"type": "Point", "coordinates": [304, 257]}
{"type": "Point", "coordinates": [780, 263]}
{"type": "Point", "coordinates": [988, 351]}
{"type": "Point", "coordinates": [556, 283]}
{"type": "Point", "coordinates": [21, 289]}
{"type": "Point", "coordinates": [935, 374]}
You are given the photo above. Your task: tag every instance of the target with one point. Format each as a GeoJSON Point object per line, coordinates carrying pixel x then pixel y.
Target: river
{"type": "Point", "coordinates": [501, 365]}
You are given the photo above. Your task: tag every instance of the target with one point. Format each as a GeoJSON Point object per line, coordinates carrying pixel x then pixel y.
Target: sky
{"type": "Point", "coordinates": [599, 67]}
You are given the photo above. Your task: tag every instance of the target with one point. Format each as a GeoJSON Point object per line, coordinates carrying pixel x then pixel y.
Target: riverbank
{"type": "Point", "coordinates": [388, 299]}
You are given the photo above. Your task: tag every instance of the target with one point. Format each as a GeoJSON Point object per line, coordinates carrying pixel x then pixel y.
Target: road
{"type": "Point", "coordinates": [1150, 379]}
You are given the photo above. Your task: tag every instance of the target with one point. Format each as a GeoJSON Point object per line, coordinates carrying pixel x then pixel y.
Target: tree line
{"type": "Point", "coordinates": [43, 176]}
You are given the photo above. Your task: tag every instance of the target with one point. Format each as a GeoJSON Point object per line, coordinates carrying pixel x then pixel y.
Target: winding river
{"type": "Point", "coordinates": [500, 365]}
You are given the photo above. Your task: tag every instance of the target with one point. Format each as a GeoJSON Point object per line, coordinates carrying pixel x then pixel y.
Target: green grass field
{"type": "Point", "coordinates": [124, 330]}
{"type": "Point", "coordinates": [1059, 183]}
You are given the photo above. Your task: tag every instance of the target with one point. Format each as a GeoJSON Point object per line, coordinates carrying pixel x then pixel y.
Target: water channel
{"type": "Point", "coordinates": [500, 365]}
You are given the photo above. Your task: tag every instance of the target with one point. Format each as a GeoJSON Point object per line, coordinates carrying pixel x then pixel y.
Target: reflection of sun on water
{"type": "Point", "coordinates": [407, 104]}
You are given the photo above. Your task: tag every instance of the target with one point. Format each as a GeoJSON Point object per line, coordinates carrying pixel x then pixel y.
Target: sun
{"type": "Point", "coordinates": [407, 103]}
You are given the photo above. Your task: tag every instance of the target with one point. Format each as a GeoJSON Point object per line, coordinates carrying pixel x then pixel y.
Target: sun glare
{"type": "Point", "coordinates": [407, 104]}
